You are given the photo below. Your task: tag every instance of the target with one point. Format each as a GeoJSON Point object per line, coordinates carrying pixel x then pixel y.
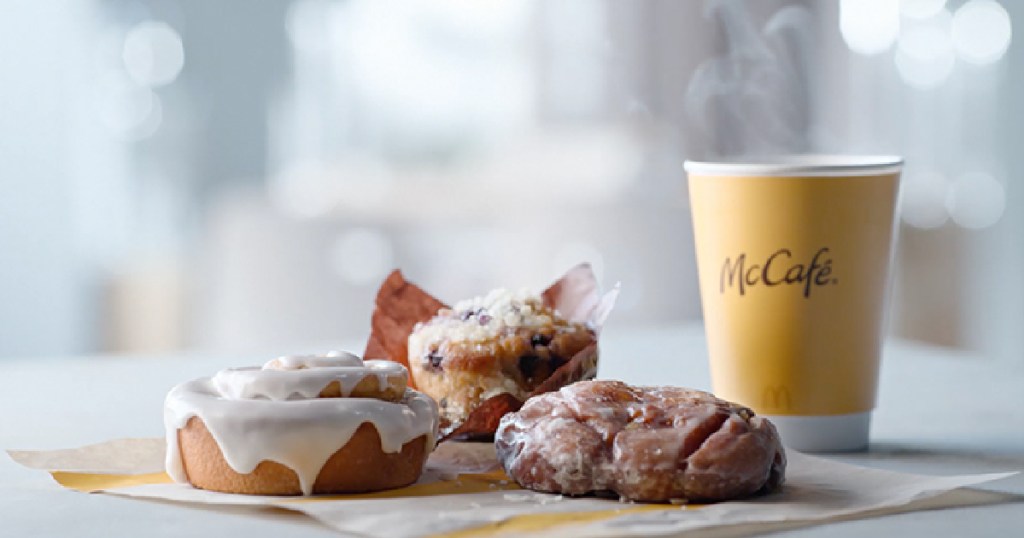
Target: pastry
{"type": "Point", "coordinates": [485, 356]}
{"type": "Point", "coordinates": [300, 425]}
{"type": "Point", "coordinates": [502, 343]}
{"type": "Point", "coordinates": [655, 444]}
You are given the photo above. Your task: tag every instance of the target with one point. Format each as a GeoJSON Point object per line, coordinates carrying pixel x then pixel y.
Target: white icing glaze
{"type": "Point", "coordinates": [273, 414]}
{"type": "Point", "coordinates": [299, 362]}
{"type": "Point", "coordinates": [291, 378]}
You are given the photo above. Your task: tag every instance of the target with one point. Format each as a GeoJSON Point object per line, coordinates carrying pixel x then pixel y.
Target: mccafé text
{"type": "Point", "coordinates": [780, 268]}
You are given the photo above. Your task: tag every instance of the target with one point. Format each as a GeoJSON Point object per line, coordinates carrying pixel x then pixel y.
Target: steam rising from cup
{"type": "Point", "coordinates": [754, 98]}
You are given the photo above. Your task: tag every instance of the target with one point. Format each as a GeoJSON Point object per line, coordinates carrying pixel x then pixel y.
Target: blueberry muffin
{"type": "Point", "coordinates": [502, 343]}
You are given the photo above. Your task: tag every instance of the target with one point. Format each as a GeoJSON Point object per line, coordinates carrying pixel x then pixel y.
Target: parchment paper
{"type": "Point", "coordinates": [464, 493]}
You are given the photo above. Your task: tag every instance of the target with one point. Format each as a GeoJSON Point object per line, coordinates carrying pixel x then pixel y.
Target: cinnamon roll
{"type": "Point", "coordinates": [300, 425]}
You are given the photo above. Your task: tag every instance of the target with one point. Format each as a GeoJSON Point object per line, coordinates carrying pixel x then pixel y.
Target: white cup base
{"type": "Point", "coordinates": [824, 433]}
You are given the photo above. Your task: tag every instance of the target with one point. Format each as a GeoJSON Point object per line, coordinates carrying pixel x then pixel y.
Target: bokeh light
{"type": "Point", "coordinates": [923, 200]}
{"type": "Point", "coordinates": [981, 31]}
{"type": "Point", "coordinates": [921, 9]}
{"type": "Point", "coordinates": [924, 53]}
{"type": "Point", "coordinates": [869, 26]}
{"type": "Point", "coordinates": [153, 54]}
{"type": "Point", "coordinates": [976, 200]}
{"type": "Point", "coordinates": [127, 110]}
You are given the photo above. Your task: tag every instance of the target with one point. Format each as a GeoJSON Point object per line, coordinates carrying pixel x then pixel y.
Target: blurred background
{"type": "Point", "coordinates": [241, 175]}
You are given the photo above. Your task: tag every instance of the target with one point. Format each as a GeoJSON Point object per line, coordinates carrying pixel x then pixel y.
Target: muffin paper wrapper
{"type": "Point", "coordinates": [400, 305]}
{"type": "Point", "coordinates": [464, 493]}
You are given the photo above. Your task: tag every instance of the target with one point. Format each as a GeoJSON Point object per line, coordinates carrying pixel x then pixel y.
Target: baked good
{"type": "Point", "coordinates": [654, 444]}
{"type": "Point", "coordinates": [484, 357]}
{"type": "Point", "coordinates": [502, 343]}
{"type": "Point", "coordinates": [300, 425]}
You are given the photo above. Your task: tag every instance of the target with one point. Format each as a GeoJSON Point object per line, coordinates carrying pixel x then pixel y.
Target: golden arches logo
{"type": "Point", "coordinates": [776, 398]}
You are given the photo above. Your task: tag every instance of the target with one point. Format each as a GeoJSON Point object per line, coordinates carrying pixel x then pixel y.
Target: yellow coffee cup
{"type": "Point", "coordinates": [793, 257]}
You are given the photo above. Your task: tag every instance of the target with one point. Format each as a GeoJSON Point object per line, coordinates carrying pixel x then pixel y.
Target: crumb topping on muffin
{"type": "Point", "coordinates": [484, 318]}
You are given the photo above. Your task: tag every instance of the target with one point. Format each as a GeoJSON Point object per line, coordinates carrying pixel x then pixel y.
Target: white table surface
{"type": "Point", "coordinates": [940, 412]}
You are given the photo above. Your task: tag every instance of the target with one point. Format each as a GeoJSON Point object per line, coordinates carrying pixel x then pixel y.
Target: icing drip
{"type": "Point", "coordinates": [273, 413]}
